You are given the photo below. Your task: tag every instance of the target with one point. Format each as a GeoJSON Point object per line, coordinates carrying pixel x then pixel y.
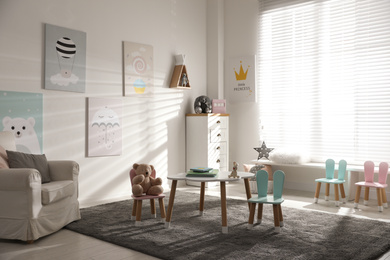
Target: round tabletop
{"type": "Point", "coordinates": [221, 176]}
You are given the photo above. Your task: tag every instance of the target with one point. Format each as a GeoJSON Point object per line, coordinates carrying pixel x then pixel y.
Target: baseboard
{"type": "Point", "coordinates": [300, 186]}
{"type": "Point", "coordinates": [312, 188]}
{"type": "Point", "coordinates": [89, 202]}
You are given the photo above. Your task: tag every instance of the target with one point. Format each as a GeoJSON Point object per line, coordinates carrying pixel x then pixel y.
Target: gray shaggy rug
{"type": "Point", "coordinates": [305, 235]}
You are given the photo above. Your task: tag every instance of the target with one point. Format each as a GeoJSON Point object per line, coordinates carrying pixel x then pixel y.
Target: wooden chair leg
{"type": "Point", "coordinates": [139, 213]}
{"type": "Point", "coordinates": [366, 195]}
{"type": "Point", "coordinates": [280, 216]}
{"type": "Point", "coordinates": [336, 194]}
{"type": "Point", "coordinates": [201, 199]}
{"type": "Point", "coordinates": [384, 198]}
{"type": "Point", "coordinates": [317, 194]}
{"type": "Point", "coordinates": [30, 242]}
{"type": "Point", "coordinates": [357, 196]}
{"type": "Point", "coordinates": [162, 209]}
{"type": "Point", "coordinates": [152, 208]}
{"type": "Point", "coordinates": [379, 196]}
{"type": "Point", "coordinates": [342, 191]}
{"type": "Point", "coordinates": [133, 213]}
{"type": "Point", "coordinates": [251, 215]}
{"type": "Point", "coordinates": [276, 217]}
{"type": "Point", "coordinates": [260, 213]}
{"type": "Point", "coordinates": [327, 188]}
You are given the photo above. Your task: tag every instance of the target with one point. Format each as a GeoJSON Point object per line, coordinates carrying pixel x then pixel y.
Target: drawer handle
{"type": "Point", "coordinates": [218, 147]}
{"type": "Point", "coordinates": [218, 134]}
{"type": "Point", "coordinates": [218, 161]}
{"type": "Point", "coordinates": [218, 122]}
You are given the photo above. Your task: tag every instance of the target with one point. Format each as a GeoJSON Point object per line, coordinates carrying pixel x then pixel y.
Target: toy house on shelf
{"type": "Point", "coordinates": [180, 75]}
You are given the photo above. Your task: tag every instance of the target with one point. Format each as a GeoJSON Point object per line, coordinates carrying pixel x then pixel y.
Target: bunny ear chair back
{"type": "Point", "coordinates": [275, 199]}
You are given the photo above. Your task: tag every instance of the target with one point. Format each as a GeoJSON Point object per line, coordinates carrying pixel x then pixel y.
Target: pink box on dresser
{"type": "Point", "coordinates": [219, 106]}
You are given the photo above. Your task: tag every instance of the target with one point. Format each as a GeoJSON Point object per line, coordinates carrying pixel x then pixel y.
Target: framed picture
{"type": "Point", "coordinates": [138, 74]}
{"type": "Point", "coordinates": [104, 126]}
{"type": "Point", "coordinates": [21, 113]}
{"type": "Point", "coordinates": [65, 55]}
{"type": "Point", "coordinates": [242, 80]}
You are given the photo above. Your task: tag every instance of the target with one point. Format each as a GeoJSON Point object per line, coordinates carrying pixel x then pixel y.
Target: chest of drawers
{"type": "Point", "coordinates": [207, 141]}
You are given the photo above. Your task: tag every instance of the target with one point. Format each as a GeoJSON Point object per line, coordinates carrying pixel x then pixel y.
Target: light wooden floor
{"type": "Point", "coordinates": [65, 244]}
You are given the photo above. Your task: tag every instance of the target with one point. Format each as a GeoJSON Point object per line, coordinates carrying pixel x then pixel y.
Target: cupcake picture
{"type": "Point", "coordinates": [138, 68]}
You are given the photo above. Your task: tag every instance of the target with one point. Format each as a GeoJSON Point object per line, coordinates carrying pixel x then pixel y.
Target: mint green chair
{"type": "Point", "coordinates": [276, 199]}
{"type": "Point", "coordinates": [339, 182]}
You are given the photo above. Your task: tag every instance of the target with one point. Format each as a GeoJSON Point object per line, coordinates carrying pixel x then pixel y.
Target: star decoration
{"type": "Point", "coordinates": [263, 151]}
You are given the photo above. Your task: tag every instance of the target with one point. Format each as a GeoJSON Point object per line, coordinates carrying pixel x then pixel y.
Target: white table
{"type": "Point", "coordinates": [222, 177]}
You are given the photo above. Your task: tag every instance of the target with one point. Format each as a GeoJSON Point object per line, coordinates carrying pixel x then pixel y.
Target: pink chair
{"type": "Point", "coordinates": [137, 206]}
{"type": "Point", "coordinates": [369, 183]}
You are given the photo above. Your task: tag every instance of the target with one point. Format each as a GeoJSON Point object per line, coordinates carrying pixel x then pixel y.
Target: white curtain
{"type": "Point", "coordinates": [323, 70]}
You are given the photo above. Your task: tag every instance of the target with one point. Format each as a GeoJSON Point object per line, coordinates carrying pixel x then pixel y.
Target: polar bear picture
{"type": "Point", "coordinates": [26, 138]}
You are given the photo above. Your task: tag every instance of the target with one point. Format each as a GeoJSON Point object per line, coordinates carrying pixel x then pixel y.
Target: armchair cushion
{"type": "Point", "coordinates": [56, 190]}
{"type": "Point", "coordinates": [3, 158]}
{"type": "Point", "coordinates": [35, 161]}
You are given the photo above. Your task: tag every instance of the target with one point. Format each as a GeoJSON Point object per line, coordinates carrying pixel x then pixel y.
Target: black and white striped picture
{"type": "Point", "coordinates": [64, 59]}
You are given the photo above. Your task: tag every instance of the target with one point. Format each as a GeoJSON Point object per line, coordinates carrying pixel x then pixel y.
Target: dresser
{"type": "Point", "coordinates": [207, 142]}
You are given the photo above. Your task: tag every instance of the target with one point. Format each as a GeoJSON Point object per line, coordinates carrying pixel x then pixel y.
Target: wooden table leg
{"type": "Point", "coordinates": [248, 191]}
{"type": "Point", "coordinates": [223, 208]}
{"type": "Point", "coordinates": [201, 201]}
{"type": "Point", "coordinates": [170, 205]}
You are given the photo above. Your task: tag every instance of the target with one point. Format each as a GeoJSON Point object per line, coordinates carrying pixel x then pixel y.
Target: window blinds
{"type": "Point", "coordinates": [324, 77]}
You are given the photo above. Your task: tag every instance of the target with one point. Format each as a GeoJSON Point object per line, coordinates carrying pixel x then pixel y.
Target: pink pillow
{"type": "Point", "coordinates": [248, 167]}
{"type": "Point", "coordinates": [3, 159]}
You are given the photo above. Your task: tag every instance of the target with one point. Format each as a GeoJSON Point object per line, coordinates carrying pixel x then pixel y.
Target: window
{"type": "Point", "coordinates": [323, 70]}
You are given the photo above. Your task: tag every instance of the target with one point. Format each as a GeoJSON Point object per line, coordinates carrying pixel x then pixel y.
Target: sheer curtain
{"type": "Point", "coordinates": [323, 70]}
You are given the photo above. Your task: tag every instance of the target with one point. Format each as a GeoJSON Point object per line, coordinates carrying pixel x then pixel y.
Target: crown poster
{"type": "Point", "coordinates": [242, 80]}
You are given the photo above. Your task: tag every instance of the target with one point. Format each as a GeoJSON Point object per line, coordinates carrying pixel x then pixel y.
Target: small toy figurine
{"type": "Point", "coordinates": [184, 80]}
{"type": "Point", "coordinates": [234, 172]}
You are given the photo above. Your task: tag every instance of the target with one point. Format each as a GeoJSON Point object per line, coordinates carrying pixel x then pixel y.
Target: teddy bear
{"type": "Point", "coordinates": [202, 104]}
{"type": "Point", "coordinates": [143, 182]}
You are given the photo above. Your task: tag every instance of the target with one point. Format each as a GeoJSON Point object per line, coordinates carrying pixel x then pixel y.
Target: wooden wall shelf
{"type": "Point", "coordinates": [176, 81]}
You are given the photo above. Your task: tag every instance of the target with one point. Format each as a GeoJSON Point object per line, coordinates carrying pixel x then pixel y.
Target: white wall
{"type": "Point", "coordinates": [153, 126]}
{"type": "Point", "coordinates": [241, 40]}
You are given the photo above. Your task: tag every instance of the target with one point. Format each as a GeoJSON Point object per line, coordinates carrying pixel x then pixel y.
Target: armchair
{"type": "Point", "coordinates": [29, 209]}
